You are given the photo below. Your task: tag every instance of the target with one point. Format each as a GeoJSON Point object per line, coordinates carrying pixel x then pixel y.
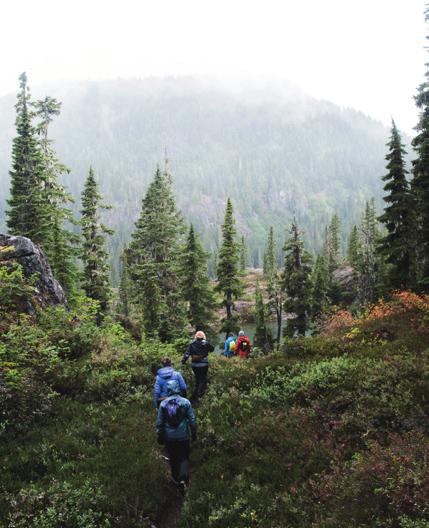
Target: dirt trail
{"type": "Point", "coordinates": [171, 515]}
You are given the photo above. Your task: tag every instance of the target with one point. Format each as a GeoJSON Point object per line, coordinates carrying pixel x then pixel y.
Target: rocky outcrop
{"type": "Point", "coordinates": [345, 277]}
{"type": "Point", "coordinates": [32, 259]}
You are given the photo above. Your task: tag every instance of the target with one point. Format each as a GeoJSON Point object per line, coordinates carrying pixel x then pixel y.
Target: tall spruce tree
{"type": "Point", "coordinates": [26, 215]}
{"type": "Point", "coordinates": [263, 338]}
{"type": "Point", "coordinates": [354, 247]}
{"type": "Point", "coordinates": [155, 261]}
{"type": "Point", "coordinates": [61, 243]}
{"type": "Point", "coordinates": [197, 290]}
{"type": "Point", "coordinates": [274, 280]}
{"type": "Point", "coordinates": [229, 283]}
{"type": "Point", "coordinates": [333, 243]}
{"type": "Point", "coordinates": [320, 286]}
{"type": "Point", "coordinates": [397, 218]}
{"type": "Point", "coordinates": [420, 183]}
{"type": "Point", "coordinates": [366, 272]}
{"type": "Point", "coordinates": [297, 283]}
{"type": "Point", "coordinates": [95, 275]}
{"type": "Point", "coordinates": [243, 255]}
{"type": "Point", "coordinates": [124, 285]}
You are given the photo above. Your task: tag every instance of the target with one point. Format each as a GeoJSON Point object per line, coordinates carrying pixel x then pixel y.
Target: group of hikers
{"type": "Point", "coordinates": [175, 423]}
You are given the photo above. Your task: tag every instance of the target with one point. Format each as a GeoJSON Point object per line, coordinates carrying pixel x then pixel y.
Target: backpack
{"type": "Point", "coordinates": [231, 346]}
{"type": "Point", "coordinates": [174, 413]}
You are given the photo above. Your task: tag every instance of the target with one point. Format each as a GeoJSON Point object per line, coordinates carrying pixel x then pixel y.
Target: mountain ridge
{"type": "Point", "coordinates": [302, 156]}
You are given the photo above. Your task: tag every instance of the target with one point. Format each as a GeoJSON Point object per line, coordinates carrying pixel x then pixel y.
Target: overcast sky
{"type": "Point", "coordinates": [367, 54]}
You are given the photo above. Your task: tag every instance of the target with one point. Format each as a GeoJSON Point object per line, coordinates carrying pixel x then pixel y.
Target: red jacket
{"type": "Point", "coordinates": [242, 346]}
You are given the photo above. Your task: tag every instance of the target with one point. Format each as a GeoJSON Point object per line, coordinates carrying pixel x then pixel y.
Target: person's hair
{"type": "Point", "coordinates": [230, 334]}
{"type": "Point", "coordinates": [241, 333]}
{"type": "Point", "coordinates": [200, 335]}
{"type": "Point", "coordinates": [166, 361]}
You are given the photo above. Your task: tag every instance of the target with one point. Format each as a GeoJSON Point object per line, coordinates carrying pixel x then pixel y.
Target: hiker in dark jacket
{"type": "Point", "coordinates": [175, 426]}
{"type": "Point", "coordinates": [198, 351]}
{"type": "Point", "coordinates": [163, 376]}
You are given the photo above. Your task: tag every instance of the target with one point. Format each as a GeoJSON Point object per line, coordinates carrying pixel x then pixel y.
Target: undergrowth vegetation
{"type": "Point", "coordinates": [329, 432]}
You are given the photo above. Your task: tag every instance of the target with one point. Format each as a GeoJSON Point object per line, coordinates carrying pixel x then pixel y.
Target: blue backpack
{"type": "Point", "coordinates": [174, 413]}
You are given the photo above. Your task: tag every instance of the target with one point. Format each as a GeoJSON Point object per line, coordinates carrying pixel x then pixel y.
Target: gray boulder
{"type": "Point", "coordinates": [345, 276]}
{"type": "Point", "coordinates": [32, 259]}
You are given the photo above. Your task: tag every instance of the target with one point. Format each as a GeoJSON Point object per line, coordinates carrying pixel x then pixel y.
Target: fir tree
{"type": "Point", "coordinates": [320, 286]}
{"type": "Point", "coordinates": [270, 254]}
{"type": "Point", "coordinates": [263, 338]}
{"type": "Point", "coordinates": [229, 283]}
{"type": "Point", "coordinates": [420, 183]}
{"type": "Point", "coordinates": [354, 247]}
{"type": "Point", "coordinates": [274, 280]}
{"type": "Point", "coordinates": [25, 216]}
{"type": "Point", "coordinates": [333, 243]}
{"type": "Point", "coordinates": [367, 260]}
{"type": "Point", "coordinates": [95, 275]}
{"type": "Point", "coordinates": [155, 261]}
{"type": "Point", "coordinates": [297, 282]}
{"type": "Point", "coordinates": [197, 291]}
{"type": "Point", "coordinates": [243, 255]}
{"type": "Point", "coordinates": [60, 246]}
{"type": "Point", "coordinates": [124, 285]}
{"type": "Point", "coordinates": [397, 217]}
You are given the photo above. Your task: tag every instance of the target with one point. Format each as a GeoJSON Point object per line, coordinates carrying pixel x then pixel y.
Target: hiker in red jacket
{"type": "Point", "coordinates": [242, 345]}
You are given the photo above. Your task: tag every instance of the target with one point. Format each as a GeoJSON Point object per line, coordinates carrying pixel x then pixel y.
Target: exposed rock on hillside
{"type": "Point", "coordinates": [32, 259]}
{"type": "Point", "coordinates": [344, 275]}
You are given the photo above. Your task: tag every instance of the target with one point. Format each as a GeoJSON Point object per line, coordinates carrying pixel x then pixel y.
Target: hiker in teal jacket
{"type": "Point", "coordinates": [175, 426]}
{"type": "Point", "coordinates": [228, 349]}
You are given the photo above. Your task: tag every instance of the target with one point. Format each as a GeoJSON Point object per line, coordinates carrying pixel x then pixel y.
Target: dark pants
{"type": "Point", "coordinates": [200, 381]}
{"type": "Point", "coordinates": [178, 453]}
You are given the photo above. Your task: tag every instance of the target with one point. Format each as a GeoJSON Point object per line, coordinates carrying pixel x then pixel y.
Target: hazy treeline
{"type": "Point", "coordinates": [303, 156]}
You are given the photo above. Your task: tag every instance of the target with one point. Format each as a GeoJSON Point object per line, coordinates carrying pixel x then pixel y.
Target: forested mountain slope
{"type": "Point", "coordinates": [275, 151]}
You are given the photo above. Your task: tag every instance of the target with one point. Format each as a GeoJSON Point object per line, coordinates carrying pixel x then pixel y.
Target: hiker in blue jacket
{"type": "Point", "coordinates": [198, 351]}
{"type": "Point", "coordinates": [228, 349]}
{"type": "Point", "coordinates": [175, 426]}
{"type": "Point", "coordinates": [163, 376]}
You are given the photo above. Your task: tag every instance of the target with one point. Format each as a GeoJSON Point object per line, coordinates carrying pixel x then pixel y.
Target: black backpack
{"type": "Point", "coordinates": [174, 413]}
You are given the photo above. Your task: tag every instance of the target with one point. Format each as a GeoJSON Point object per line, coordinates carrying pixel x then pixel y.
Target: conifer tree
{"type": "Point", "coordinates": [229, 283]}
{"type": "Point", "coordinates": [263, 338]}
{"type": "Point", "coordinates": [274, 280]}
{"type": "Point", "coordinates": [333, 243]}
{"type": "Point", "coordinates": [155, 261]}
{"type": "Point", "coordinates": [354, 247]}
{"type": "Point", "coordinates": [367, 259]}
{"type": "Point", "coordinates": [270, 254]}
{"type": "Point", "coordinates": [420, 183]}
{"type": "Point", "coordinates": [297, 282]}
{"type": "Point", "coordinates": [397, 217]}
{"type": "Point", "coordinates": [95, 275]}
{"type": "Point", "coordinates": [243, 255]}
{"type": "Point", "coordinates": [60, 246]}
{"type": "Point", "coordinates": [320, 286]}
{"type": "Point", "coordinates": [124, 285]}
{"type": "Point", "coordinates": [25, 216]}
{"type": "Point", "coordinates": [197, 291]}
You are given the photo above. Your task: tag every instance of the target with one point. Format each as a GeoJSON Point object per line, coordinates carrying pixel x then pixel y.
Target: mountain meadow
{"type": "Point", "coordinates": [147, 222]}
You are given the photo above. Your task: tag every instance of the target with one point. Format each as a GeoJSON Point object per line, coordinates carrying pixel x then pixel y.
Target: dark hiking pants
{"type": "Point", "coordinates": [178, 453]}
{"type": "Point", "coordinates": [200, 381]}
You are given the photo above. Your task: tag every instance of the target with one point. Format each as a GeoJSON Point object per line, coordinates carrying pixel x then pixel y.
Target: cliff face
{"type": "Point", "coordinates": [23, 251]}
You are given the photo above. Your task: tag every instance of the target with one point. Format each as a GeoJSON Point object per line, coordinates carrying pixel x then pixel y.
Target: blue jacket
{"type": "Point", "coordinates": [164, 375]}
{"type": "Point", "coordinates": [186, 427]}
{"type": "Point", "coordinates": [226, 351]}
